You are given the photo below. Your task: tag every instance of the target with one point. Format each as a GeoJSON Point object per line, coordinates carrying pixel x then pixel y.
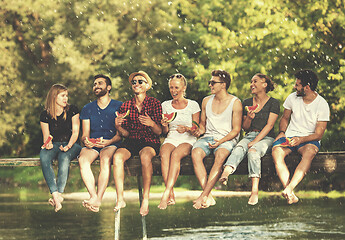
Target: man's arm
{"type": "Point", "coordinates": [202, 124]}
{"type": "Point", "coordinates": [86, 133]}
{"type": "Point", "coordinates": [284, 122]}
{"type": "Point", "coordinates": [316, 136]}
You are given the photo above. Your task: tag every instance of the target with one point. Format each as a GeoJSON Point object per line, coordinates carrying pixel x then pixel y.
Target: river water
{"type": "Point", "coordinates": [23, 217]}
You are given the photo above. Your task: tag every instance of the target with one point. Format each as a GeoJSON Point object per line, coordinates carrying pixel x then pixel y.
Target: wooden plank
{"type": "Point", "coordinates": [325, 162]}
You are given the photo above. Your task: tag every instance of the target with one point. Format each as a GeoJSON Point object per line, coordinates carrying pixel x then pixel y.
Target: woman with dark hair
{"type": "Point", "coordinates": [258, 124]}
{"type": "Point", "coordinates": [60, 128]}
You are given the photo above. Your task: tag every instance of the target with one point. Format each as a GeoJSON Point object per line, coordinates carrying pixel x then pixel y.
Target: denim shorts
{"type": "Point", "coordinates": [203, 144]}
{"type": "Point", "coordinates": [295, 148]}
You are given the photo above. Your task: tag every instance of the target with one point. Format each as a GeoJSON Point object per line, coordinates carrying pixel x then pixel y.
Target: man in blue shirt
{"type": "Point", "coordinates": [98, 122]}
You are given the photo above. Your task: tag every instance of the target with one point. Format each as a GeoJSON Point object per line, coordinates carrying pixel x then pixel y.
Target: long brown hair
{"type": "Point", "coordinates": [50, 105]}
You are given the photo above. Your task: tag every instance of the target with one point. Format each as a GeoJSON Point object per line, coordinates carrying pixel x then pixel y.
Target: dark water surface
{"type": "Point", "coordinates": [230, 218]}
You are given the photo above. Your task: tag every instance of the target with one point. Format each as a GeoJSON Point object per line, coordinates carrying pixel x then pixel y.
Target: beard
{"type": "Point", "coordinates": [100, 93]}
{"type": "Point", "coordinates": [300, 93]}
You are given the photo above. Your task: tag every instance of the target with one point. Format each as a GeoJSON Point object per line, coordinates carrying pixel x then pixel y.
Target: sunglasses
{"type": "Point", "coordinates": [176, 76]}
{"type": "Point", "coordinates": [140, 81]}
{"type": "Point", "coordinates": [213, 82]}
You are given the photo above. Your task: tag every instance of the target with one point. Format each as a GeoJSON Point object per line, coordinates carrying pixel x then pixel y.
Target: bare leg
{"type": "Point", "coordinates": [279, 154]}
{"type": "Point", "coordinates": [146, 155]}
{"type": "Point", "coordinates": [205, 199]}
{"type": "Point", "coordinates": [87, 156]}
{"type": "Point", "coordinates": [165, 155]}
{"type": "Point", "coordinates": [120, 157]}
{"type": "Point", "coordinates": [254, 197]}
{"type": "Point", "coordinates": [58, 199]}
{"type": "Point", "coordinates": [106, 156]}
{"type": "Point", "coordinates": [308, 153]}
{"type": "Point", "coordinates": [226, 172]}
{"type": "Point", "coordinates": [178, 153]}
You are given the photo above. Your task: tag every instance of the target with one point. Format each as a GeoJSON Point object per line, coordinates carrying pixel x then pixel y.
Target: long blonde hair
{"type": "Point", "coordinates": [50, 105]}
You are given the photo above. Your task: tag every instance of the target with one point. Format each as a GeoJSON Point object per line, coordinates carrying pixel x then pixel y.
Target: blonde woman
{"type": "Point", "coordinates": [179, 141]}
{"type": "Point", "coordinates": [61, 121]}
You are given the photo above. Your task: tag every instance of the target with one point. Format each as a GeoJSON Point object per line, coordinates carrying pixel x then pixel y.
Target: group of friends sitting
{"type": "Point", "coordinates": [113, 131]}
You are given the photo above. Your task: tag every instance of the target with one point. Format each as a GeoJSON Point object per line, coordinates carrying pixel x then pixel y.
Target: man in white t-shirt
{"type": "Point", "coordinates": [220, 123]}
{"type": "Point", "coordinates": [302, 126]}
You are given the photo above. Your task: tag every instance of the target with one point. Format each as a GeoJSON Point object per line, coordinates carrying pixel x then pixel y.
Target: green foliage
{"type": "Point", "coordinates": [47, 42]}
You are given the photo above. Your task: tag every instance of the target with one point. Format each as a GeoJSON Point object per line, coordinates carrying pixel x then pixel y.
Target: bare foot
{"type": "Point", "coordinates": [144, 209]}
{"type": "Point", "coordinates": [226, 172]}
{"type": "Point", "coordinates": [164, 201]}
{"type": "Point", "coordinates": [171, 202]}
{"type": "Point", "coordinates": [51, 202]}
{"type": "Point", "coordinates": [119, 205]}
{"type": "Point", "coordinates": [57, 199]}
{"type": "Point", "coordinates": [200, 202]}
{"type": "Point", "coordinates": [210, 201]}
{"type": "Point", "coordinates": [292, 198]}
{"type": "Point", "coordinates": [253, 199]}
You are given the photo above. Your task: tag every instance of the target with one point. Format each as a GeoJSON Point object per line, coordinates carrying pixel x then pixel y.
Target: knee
{"type": "Point", "coordinates": [253, 155]}
{"type": "Point", "coordinates": [176, 155]}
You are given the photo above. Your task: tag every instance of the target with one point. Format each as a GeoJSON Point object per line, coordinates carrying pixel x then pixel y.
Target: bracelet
{"type": "Point", "coordinates": [281, 131]}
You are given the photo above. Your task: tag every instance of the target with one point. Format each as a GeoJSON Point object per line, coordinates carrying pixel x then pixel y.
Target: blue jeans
{"type": "Point", "coordinates": [254, 157]}
{"type": "Point", "coordinates": [64, 159]}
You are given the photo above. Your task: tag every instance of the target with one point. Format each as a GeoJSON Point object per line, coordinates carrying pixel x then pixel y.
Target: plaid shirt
{"type": "Point", "coordinates": [137, 130]}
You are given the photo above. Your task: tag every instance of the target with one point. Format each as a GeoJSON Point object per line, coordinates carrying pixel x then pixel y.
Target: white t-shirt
{"type": "Point", "coordinates": [305, 116]}
{"type": "Point", "coordinates": [183, 117]}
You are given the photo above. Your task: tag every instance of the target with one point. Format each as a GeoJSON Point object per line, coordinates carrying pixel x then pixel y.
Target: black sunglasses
{"type": "Point", "coordinates": [213, 82]}
{"type": "Point", "coordinates": [140, 81]}
{"type": "Point", "coordinates": [176, 76]}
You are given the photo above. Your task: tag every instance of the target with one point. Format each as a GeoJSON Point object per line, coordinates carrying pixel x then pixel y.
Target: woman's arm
{"type": "Point", "coordinates": [46, 133]}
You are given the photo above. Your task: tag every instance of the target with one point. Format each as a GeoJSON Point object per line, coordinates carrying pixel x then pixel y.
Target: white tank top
{"type": "Point", "coordinates": [219, 125]}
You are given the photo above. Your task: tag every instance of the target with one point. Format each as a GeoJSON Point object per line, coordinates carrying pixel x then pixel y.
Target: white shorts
{"type": "Point", "coordinates": [177, 142]}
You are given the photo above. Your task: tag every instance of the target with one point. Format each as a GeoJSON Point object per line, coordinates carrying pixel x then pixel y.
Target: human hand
{"type": "Point", "coordinates": [215, 144]}
{"type": "Point", "coordinates": [280, 135]}
{"type": "Point", "coordinates": [164, 122]}
{"type": "Point", "coordinates": [251, 114]}
{"type": "Point", "coordinates": [119, 121]}
{"type": "Point", "coordinates": [182, 129]}
{"type": "Point", "coordinates": [146, 120]}
{"type": "Point", "coordinates": [49, 145]}
{"type": "Point", "coordinates": [103, 143]}
{"type": "Point", "coordinates": [295, 141]}
{"type": "Point", "coordinates": [251, 144]}
{"type": "Point", "coordinates": [64, 148]}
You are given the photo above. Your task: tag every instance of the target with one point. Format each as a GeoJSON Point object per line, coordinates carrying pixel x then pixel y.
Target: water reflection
{"type": "Point", "coordinates": [231, 218]}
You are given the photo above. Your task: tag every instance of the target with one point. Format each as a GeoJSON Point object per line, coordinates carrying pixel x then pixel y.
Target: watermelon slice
{"type": "Point", "coordinates": [252, 108]}
{"type": "Point", "coordinates": [122, 115]}
{"type": "Point", "coordinates": [94, 140]}
{"type": "Point", "coordinates": [47, 141]}
{"type": "Point", "coordinates": [287, 143]}
{"type": "Point", "coordinates": [170, 116]}
{"type": "Point", "coordinates": [195, 126]}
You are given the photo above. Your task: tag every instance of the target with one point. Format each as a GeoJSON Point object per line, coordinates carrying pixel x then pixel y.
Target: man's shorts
{"type": "Point", "coordinates": [134, 146]}
{"type": "Point", "coordinates": [295, 148]}
{"type": "Point", "coordinates": [98, 150]}
{"type": "Point", "coordinates": [203, 144]}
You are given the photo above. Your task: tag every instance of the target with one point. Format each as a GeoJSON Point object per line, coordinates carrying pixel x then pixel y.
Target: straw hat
{"type": "Point", "coordinates": [141, 73]}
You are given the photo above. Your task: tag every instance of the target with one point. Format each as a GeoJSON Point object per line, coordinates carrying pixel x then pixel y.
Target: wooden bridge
{"type": "Point", "coordinates": [324, 162]}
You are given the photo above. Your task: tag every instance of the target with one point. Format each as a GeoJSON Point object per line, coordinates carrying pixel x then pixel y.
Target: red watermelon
{"type": "Point", "coordinates": [47, 141]}
{"type": "Point", "coordinates": [252, 108]}
{"type": "Point", "coordinates": [170, 116]}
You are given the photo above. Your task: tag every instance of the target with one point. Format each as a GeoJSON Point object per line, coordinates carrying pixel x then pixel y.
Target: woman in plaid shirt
{"type": "Point", "coordinates": [141, 129]}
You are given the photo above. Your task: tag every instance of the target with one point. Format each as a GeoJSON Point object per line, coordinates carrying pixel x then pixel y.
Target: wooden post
{"type": "Point", "coordinates": [143, 221]}
{"type": "Point", "coordinates": [117, 224]}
